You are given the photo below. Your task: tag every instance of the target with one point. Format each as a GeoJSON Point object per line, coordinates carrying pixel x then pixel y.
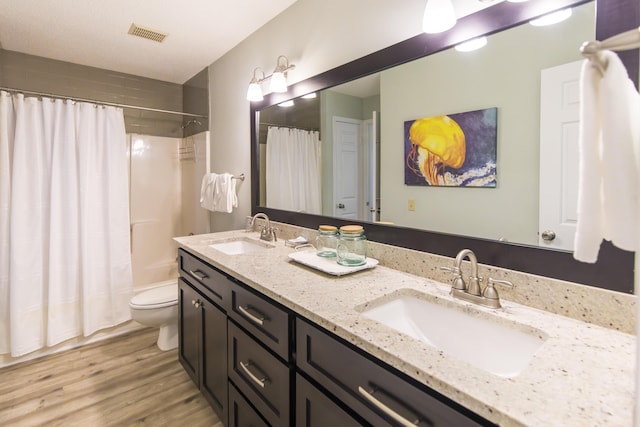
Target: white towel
{"type": "Point", "coordinates": [218, 192]}
{"type": "Point", "coordinates": [609, 150]}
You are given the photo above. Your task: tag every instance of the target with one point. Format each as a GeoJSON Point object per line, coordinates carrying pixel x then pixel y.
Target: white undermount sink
{"type": "Point", "coordinates": [240, 245]}
{"type": "Point", "coordinates": [501, 349]}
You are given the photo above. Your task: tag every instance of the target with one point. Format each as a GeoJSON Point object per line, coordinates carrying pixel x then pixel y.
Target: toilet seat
{"type": "Point", "coordinates": [162, 296]}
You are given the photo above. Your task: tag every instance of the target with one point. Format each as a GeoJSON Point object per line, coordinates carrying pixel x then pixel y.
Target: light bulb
{"type": "Point", "coordinates": [472, 44]}
{"type": "Point", "coordinates": [439, 16]}
{"type": "Point", "coordinates": [278, 82]}
{"type": "Point", "coordinates": [254, 93]}
{"type": "Point", "coordinates": [551, 18]}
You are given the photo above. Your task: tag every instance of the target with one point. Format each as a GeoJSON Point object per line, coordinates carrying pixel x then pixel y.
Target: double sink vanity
{"type": "Point", "coordinates": [272, 342]}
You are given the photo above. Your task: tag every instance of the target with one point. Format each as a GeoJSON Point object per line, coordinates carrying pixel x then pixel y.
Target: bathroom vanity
{"type": "Point", "coordinates": [272, 342]}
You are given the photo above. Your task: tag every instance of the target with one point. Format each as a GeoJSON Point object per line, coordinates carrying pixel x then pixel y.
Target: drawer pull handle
{"type": "Point", "coordinates": [198, 274]}
{"type": "Point", "coordinates": [390, 412]}
{"type": "Point", "coordinates": [258, 379]}
{"type": "Point", "coordinates": [258, 319]}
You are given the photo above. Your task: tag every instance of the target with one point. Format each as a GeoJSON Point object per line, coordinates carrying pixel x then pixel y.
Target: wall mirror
{"type": "Point", "coordinates": [501, 224]}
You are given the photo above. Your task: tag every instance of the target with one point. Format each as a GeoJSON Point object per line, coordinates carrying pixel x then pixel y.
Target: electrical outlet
{"type": "Point", "coordinates": [412, 205]}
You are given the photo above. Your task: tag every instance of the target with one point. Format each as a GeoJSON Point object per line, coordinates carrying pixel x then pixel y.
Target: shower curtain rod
{"type": "Point", "coordinates": [93, 101]}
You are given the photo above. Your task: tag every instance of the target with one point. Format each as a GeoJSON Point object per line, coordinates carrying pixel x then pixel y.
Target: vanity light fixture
{"type": "Point", "coordinates": [473, 44]}
{"type": "Point", "coordinates": [551, 18]}
{"type": "Point", "coordinates": [254, 93]}
{"type": "Point", "coordinates": [288, 103]}
{"type": "Point", "coordinates": [311, 95]}
{"type": "Point", "coordinates": [517, 1]}
{"type": "Point", "coordinates": [278, 78]}
{"type": "Point", "coordinates": [439, 16]}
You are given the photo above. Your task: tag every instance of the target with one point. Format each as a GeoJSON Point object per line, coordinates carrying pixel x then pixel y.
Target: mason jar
{"type": "Point", "coordinates": [326, 241]}
{"type": "Point", "coordinates": [352, 246]}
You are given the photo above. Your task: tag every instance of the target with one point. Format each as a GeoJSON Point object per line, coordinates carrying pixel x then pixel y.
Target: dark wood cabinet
{"type": "Point", "coordinates": [373, 391]}
{"type": "Point", "coordinates": [241, 413]}
{"type": "Point", "coordinates": [202, 348]}
{"type": "Point", "coordinates": [265, 320]}
{"type": "Point", "coordinates": [258, 365]}
{"type": "Point", "coordinates": [260, 376]}
{"type": "Point", "coordinates": [315, 409]}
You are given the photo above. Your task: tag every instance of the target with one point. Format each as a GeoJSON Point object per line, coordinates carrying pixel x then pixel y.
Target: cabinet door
{"type": "Point", "coordinates": [213, 378]}
{"type": "Point", "coordinates": [241, 414]}
{"type": "Point", "coordinates": [314, 409]}
{"type": "Point", "coordinates": [189, 330]}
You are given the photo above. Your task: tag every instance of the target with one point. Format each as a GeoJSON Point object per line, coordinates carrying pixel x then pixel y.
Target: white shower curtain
{"type": "Point", "coordinates": [65, 263]}
{"type": "Point", "coordinates": [293, 170]}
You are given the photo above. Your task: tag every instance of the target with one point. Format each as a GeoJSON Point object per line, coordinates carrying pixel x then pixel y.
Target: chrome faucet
{"type": "Point", "coordinates": [267, 232]}
{"type": "Point", "coordinates": [473, 292]}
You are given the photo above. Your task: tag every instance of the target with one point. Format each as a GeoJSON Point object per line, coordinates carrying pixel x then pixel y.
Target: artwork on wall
{"type": "Point", "coordinates": [456, 150]}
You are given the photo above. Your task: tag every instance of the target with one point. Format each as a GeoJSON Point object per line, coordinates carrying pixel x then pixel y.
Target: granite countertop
{"type": "Point", "coordinates": [582, 375]}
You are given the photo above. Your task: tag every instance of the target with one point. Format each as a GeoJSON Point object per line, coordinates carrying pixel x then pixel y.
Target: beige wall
{"type": "Point", "coordinates": [316, 36]}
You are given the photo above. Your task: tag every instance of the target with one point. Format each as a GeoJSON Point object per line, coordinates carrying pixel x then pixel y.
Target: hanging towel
{"type": "Point", "coordinates": [609, 171]}
{"type": "Point", "coordinates": [218, 192]}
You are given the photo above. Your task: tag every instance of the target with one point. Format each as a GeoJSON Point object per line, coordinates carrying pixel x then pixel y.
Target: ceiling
{"type": "Point", "coordinates": [94, 32]}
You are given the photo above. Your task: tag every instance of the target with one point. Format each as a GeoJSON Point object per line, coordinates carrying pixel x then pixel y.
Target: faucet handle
{"type": "Point", "coordinates": [490, 291]}
{"type": "Point", "coordinates": [458, 281]}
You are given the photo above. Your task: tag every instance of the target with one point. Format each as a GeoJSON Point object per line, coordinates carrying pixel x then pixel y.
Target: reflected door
{"type": "Point", "coordinates": [346, 169]}
{"type": "Point", "coordinates": [559, 123]}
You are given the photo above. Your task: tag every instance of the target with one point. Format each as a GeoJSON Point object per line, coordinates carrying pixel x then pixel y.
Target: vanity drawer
{"type": "Point", "coordinates": [241, 414]}
{"type": "Point", "coordinates": [200, 273]}
{"type": "Point", "coordinates": [260, 376]}
{"type": "Point", "coordinates": [262, 318]}
{"type": "Point", "coordinates": [314, 409]}
{"type": "Point", "coordinates": [368, 388]}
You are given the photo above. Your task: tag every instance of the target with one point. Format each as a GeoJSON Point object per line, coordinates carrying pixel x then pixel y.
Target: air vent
{"type": "Point", "coordinates": [147, 33]}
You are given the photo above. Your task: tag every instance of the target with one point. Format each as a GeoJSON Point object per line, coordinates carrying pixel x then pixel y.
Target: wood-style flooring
{"type": "Point", "coordinates": [123, 381]}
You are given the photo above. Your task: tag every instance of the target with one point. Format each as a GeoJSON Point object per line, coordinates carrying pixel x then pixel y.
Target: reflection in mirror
{"type": "Point", "coordinates": [614, 269]}
{"type": "Point", "coordinates": [360, 175]}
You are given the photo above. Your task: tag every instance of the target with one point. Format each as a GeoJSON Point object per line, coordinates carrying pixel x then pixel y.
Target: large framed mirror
{"type": "Point", "coordinates": [395, 83]}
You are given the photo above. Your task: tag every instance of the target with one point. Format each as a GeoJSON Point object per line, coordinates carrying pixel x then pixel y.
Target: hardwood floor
{"type": "Point", "coordinates": [124, 381]}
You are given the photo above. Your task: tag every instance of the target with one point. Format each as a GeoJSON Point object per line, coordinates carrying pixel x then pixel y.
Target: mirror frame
{"type": "Point", "coordinates": [614, 268]}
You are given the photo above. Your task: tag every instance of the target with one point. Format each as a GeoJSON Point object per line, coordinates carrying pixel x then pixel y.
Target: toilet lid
{"type": "Point", "coordinates": [160, 296]}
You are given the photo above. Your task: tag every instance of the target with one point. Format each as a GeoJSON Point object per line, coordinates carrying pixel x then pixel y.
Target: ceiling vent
{"type": "Point", "coordinates": [147, 33]}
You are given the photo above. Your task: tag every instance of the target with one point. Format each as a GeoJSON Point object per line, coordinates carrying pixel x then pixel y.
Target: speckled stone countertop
{"type": "Point", "coordinates": [582, 375]}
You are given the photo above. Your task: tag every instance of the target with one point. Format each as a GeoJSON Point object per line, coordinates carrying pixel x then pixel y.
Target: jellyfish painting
{"type": "Point", "coordinates": [436, 142]}
{"type": "Point", "coordinates": [452, 150]}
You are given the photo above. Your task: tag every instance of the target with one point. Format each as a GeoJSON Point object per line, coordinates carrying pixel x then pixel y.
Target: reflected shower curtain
{"type": "Point", "coordinates": [293, 170]}
{"type": "Point", "coordinates": [65, 263]}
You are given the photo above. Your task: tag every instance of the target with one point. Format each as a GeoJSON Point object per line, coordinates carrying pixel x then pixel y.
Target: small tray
{"type": "Point", "coordinates": [329, 265]}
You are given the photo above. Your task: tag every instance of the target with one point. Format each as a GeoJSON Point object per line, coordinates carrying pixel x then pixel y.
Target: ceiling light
{"type": "Point", "coordinates": [473, 44]}
{"type": "Point", "coordinates": [439, 16]}
{"type": "Point", "coordinates": [551, 18]}
{"type": "Point", "coordinates": [288, 103]}
{"type": "Point", "coordinates": [278, 78]}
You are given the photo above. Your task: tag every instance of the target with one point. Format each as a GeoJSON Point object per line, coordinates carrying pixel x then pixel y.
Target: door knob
{"type": "Point", "coordinates": [340, 205]}
{"type": "Point", "coordinates": [548, 235]}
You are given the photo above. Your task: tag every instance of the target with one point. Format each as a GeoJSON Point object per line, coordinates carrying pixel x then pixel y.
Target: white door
{"type": "Point", "coordinates": [559, 120]}
{"type": "Point", "coordinates": [346, 168]}
{"type": "Point", "coordinates": [370, 207]}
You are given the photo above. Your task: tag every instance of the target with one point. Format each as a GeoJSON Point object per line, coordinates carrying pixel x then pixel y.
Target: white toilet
{"type": "Point", "coordinates": [158, 307]}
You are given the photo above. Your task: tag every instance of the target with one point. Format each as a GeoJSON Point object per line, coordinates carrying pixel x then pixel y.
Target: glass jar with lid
{"type": "Point", "coordinates": [352, 246]}
{"type": "Point", "coordinates": [326, 241]}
